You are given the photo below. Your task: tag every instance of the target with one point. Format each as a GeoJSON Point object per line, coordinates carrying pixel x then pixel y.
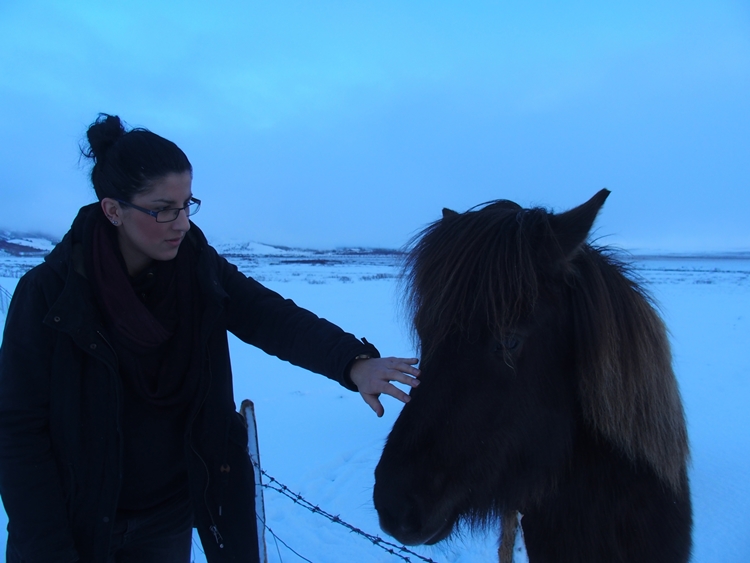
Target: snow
{"type": "Point", "coordinates": [252, 247]}
{"type": "Point", "coordinates": [324, 442]}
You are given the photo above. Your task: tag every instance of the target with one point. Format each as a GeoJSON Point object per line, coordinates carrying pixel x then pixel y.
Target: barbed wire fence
{"type": "Point", "coordinates": [393, 549]}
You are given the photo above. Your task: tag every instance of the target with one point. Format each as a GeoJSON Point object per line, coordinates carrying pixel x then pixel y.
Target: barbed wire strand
{"type": "Point", "coordinates": [276, 543]}
{"type": "Point", "coordinates": [199, 547]}
{"type": "Point", "coordinates": [278, 539]}
{"type": "Point", "coordinates": [393, 549]}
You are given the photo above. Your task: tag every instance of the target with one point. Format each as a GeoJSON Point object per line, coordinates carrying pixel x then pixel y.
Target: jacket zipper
{"type": "Point", "coordinates": [117, 360]}
{"type": "Point", "coordinates": [214, 529]}
{"type": "Point", "coordinates": [119, 411]}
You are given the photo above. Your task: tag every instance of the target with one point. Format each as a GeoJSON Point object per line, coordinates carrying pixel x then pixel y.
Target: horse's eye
{"type": "Point", "coordinates": [509, 343]}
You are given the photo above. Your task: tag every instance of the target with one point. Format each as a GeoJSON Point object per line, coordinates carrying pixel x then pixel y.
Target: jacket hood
{"type": "Point", "coordinates": [69, 251]}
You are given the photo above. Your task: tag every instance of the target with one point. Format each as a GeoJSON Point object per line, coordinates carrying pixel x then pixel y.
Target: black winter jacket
{"type": "Point", "coordinates": [61, 400]}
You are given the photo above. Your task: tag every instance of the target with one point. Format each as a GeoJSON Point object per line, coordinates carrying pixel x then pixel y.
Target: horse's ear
{"type": "Point", "coordinates": [448, 213]}
{"type": "Point", "coordinates": [572, 227]}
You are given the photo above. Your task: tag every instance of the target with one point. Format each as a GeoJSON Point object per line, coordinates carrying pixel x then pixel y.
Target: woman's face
{"type": "Point", "coordinates": [141, 238]}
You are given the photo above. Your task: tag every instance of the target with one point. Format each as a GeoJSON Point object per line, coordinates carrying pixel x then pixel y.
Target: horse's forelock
{"type": "Point", "coordinates": [473, 268]}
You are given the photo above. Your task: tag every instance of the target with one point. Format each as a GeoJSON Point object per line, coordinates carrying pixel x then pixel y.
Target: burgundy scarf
{"type": "Point", "coordinates": [157, 345]}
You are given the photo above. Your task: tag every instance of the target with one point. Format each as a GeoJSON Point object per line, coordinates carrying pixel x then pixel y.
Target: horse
{"type": "Point", "coordinates": [546, 391]}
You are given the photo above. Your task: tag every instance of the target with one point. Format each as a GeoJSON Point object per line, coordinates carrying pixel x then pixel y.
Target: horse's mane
{"type": "Point", "coordinates": [628, 389]}
{"type": "Point", "coordinates": [486, 268]}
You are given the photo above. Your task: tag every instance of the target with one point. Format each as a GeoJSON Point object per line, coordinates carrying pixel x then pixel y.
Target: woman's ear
{"type": "Point", "coordinates": [112, 210]}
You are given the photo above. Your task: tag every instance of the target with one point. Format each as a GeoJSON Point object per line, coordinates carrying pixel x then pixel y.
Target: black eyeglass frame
{"type": "Point", "coordinates": [155, 214]}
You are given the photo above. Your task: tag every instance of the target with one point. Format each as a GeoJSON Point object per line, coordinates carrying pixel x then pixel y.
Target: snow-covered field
{"type": "Point", "coordinates": [323, 442]}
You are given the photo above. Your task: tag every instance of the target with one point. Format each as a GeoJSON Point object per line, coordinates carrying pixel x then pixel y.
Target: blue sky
{"type": "Point", "coordinates": [353, 123]}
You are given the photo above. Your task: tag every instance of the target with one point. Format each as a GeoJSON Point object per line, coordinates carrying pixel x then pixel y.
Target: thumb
{"type": "Point", "coordinates": [374, 403]}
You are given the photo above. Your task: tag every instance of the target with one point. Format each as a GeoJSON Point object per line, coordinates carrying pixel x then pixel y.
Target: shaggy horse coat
{"type": "Point", "coordinates": [546, 389]}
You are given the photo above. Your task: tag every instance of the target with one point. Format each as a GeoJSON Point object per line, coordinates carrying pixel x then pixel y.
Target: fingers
{"type": "Point", "coordinates": [404, 372]}
{"type": "Point", "coordinates": [374, 403]}
{"type": "Point", "coordinates": [373, 378]}
{"type": "Point", "coordinates": [399, 377]}
{"type": "Point", "coordinates": [401, 370]}
{"type": "Point", "coordinates": [403, 366]}
{"type": "Point", "coordinates": [396, 393]}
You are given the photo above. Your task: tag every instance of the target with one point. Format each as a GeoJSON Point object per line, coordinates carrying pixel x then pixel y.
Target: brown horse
{"type": "Point", "coordinates": [546, 389]}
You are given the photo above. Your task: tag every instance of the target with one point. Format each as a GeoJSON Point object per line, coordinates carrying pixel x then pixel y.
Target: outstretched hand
{"type": "Point", "coordinates": [373, 376]}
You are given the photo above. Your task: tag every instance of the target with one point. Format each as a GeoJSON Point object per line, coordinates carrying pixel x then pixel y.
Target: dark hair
{"type": "Point", "coordinates": [126, 162]}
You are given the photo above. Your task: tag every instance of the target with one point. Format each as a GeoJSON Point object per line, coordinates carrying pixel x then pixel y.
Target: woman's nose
{"type": "Point", "coordinates": [182, 223]}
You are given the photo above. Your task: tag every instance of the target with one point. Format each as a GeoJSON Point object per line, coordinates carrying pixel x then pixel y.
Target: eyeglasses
{"type": "Point", "coordinates": [168, 215]}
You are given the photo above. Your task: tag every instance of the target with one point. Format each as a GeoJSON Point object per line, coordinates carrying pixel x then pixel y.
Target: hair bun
{"type": "Point", "coordinates": [102, 134]}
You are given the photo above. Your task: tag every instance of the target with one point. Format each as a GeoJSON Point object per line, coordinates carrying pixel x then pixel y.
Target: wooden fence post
{"type": "Point", "coordinates": [248, 412]}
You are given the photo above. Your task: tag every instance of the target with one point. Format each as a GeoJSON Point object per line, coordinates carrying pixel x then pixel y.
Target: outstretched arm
{"type": "Point", "coordinates": [373, 376]}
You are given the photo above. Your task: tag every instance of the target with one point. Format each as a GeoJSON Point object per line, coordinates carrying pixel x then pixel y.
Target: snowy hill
{"type": "Point", "coordinates": [15, 244]}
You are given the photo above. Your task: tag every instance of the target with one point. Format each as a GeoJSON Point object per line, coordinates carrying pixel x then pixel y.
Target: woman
{"type": "Point", "coordinates": [118, 430]}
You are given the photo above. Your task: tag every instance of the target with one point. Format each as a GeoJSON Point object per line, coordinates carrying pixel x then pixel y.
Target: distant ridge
{"type": "Point", "coordinates": [262, 249]}
{"type": "Point", "coordinates": [36, 244]}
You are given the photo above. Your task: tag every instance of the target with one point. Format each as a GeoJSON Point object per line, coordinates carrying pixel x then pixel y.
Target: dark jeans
{"type": "Point", "coordinates": [162, 536]}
